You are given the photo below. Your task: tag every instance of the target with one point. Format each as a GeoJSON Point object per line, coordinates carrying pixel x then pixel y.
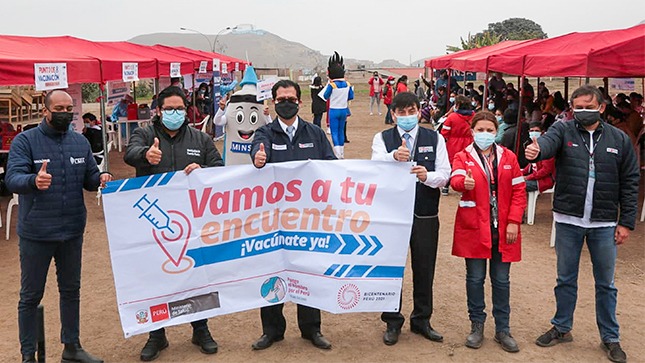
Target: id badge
{"type": "Point", "coordinates": [493, 210]}
{"type": "Point", "coordinates": [592, 169]}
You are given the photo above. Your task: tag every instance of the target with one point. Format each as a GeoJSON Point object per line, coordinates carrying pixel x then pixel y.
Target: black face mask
{"type": "Point", "coordinates": [60, 120]}
{"type": "Point", "coordinates": [286, 109]}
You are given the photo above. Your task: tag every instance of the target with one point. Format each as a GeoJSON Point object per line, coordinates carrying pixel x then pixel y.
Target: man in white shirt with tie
{"type": "Point", "coordinates": [427, 149]}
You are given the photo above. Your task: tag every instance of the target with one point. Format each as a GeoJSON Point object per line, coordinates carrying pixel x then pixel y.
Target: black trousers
{"type": "Point", "coordinates": [423, 250]}
{"type": "Point", "coordinates": [274, 324]}
{"type": "Point", "coordinates": [198, 324]}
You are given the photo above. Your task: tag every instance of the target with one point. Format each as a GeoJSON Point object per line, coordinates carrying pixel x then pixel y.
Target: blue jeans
{"type": "Point", "coordinates": [35, 258]}
{"type": "Point", "coordinates": [499, 277]}
{"type": "Point", "coordinates": [602, 248]}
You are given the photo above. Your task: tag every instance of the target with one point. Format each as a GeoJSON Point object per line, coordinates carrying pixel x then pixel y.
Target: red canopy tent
{"type": "Point", "coordinates": [230, 61]}
{"type": "Point", "coordinates": [111, 59]}
{"type": "Point", "coordinates": [477, 61]}
{"type": "Point", "coordinates": [444, 60]}
{"type": "Point", "coordinates": [164, 59]}
{"type": "Point", "coordinates": [19, 54]}
{"type": "Point", "coordinates": [614, 53]}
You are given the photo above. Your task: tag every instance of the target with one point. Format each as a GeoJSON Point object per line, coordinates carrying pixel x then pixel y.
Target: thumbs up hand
{"type": "Point", "coordinates": [532, 150]}
{"type": "Point", "coordinates": [260, 157]}
{"type": "Point", "coordinates": [153, 155]}
{"type": "Point", "coordinates": [402, 153]}
{"type": "Point", "coordinates": [469, 182]}
{"type": "Point", "coordinates": [43, 179]}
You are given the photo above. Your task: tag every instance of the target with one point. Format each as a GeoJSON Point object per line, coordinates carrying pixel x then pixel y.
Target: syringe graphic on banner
{"type": "Point", "coordinates": [171, 230]}
{"type": "Point", "coordinates": [151, 211]}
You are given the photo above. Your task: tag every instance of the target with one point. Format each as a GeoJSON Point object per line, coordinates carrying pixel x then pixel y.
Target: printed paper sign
{"type": "Point", "coordinates": [622, 84]}
{"type": "Point", "coordinates": [237, 66]}
{"type": "Point", "coordinates": [224, 68]}
{"type": "Point", "coordinates": [332, 235]}
{"type": "Point", "coordinates": [175, 69]}
{"type": "Point", "coordinates": [75, 90]}
{"type": "Point", "coordinates": [116, 90]}
{"type": "Point", "coordinates": [216, 65]}
{"type": "Point", "coordinates": [264, 89]}
{"type": "Point", "coordinates": [202, 66]}
{"type": "Point", "coordinates": [50, 76]}
{"type": "Point", "coordinates": [130, 72]}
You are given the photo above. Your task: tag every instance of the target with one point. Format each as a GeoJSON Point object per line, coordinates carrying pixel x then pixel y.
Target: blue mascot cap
{"type": "Point", "coordinates": [249, 77]}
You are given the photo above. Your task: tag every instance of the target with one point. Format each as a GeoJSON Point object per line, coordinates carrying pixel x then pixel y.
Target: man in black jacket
{"type": "Point", "coordinates": [289, 138]}
{"type": "Point", "coordinates": [596, 194]}
{"type": "Point", "coordinates": [169, 144]}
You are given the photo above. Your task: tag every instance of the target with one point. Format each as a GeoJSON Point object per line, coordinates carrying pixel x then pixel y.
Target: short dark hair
{"type": "Point", "coordinates": [536, 123]}
{"type": "Point", "coordinates": [588, 90]}
{"type": "Point", "coordinates": [169, 92]}
{"type": "Point", "coordinates": [285, 83]}
{"type": "Point", "coordinates": [404, 100]}
{"type": "Point", "coordinates": [510, 116]}
{"type": "Point", "coordinates": [623, 104]}
{"type": "Point", "coordinates": [484, 116]}
{"type": "Point", "coordinates": [90, 116]}
{"type": "Point", "coordinates": [462, 102]}
{"type": "Point", "coordinates": [175, 79]}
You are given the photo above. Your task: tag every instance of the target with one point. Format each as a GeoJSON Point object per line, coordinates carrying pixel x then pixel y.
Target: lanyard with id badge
{"type": "Point", "coordinates": [591, 149]}
{"type": "Point", "coordinates": [490, 167]}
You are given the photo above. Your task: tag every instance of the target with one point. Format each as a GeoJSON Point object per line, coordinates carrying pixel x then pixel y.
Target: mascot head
{"type": "Point", "coordinates": [335, 67]}
{"type": "Point", "coordinates": [244, 115]}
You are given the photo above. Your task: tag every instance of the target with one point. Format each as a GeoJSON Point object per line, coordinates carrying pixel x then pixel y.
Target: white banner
{"type": "Point", "coordinates": [175, 69]}
{"type": "Point", "coordinates": [622, 84]}
{"type": "Point", "coordinates": [202, 66]}
{"type": "Point", "coordinates": [75, 90]}
{"type": "Point", "coordinates": [264, 89]}
{"type": "Point", "coordinates": [50, 76]}
{"type": "Point", "coordinates": [216, 65]}
{"type": "Point", "coordinates": [332, 235]}
{"type": "Point", "coordinates": [130, 72]}
{"type": "Point", "coordinates": [116, 90]}
{"type": "Point", "coordinates": [224, 68]}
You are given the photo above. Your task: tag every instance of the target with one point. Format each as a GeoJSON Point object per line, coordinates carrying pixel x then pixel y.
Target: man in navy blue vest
{"type": "Point", "coordinates": [289, 138]}
{"type": "Point", "coordinates": [427, 150]}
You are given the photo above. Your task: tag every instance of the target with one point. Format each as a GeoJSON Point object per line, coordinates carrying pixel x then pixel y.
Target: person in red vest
{"type": "Point", "coordinates": [487, 226]}
{"type": "Point", "coordinates": [456, 129]}
{"type": "Point", "coordinates": [388, 94]}
{"type": "Point", "coordinates": [538, 175]}
{"type": "Point", "coordinates": [376, 87]}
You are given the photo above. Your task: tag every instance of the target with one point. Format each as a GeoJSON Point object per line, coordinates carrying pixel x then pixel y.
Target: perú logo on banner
{"type": "Point", "coordinates": [130, 72]}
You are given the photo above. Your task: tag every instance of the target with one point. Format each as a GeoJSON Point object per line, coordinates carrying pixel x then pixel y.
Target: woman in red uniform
{"type": "Point", "coordinates": [487, 225]}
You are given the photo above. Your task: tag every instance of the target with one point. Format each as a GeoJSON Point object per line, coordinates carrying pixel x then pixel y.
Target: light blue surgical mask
{"type": "Point", "coordinates": [452, 100]}
{"type": "Point", "coordinates": [534, 134]}
{"type": "Point", "coordinates": [499, 119]}
{"type": "Point", "coordinates": [173, 119]}
{"type": "Point", "coordinates": [484, 140]}
{"type": "Point", "coordinates": [473, 103]}
{"type": "Point", "coordinates": [491, 106]}
{"type": "Point", "coordinates": [407, 123]}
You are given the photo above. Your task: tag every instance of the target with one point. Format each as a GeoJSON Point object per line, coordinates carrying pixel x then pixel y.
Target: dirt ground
{"type": "Point", "coordinates": [355, 337]}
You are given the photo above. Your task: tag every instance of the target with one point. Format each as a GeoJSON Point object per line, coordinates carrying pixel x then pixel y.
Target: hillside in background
{"type": "Point", "coordinates": [263, 48]}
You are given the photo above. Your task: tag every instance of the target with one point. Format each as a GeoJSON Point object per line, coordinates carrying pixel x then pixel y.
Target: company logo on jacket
{"type": "Point", "coordinates": [76, 161]}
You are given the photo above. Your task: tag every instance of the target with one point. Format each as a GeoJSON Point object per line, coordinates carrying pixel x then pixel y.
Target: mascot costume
{"type": "Point", "coordinates": [243, 115]}
{"type": "Point", "coordinates": [338, 93]}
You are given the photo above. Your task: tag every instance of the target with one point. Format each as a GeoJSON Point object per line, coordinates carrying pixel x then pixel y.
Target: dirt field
{"type": "Point", "coordinates": [355, 337]}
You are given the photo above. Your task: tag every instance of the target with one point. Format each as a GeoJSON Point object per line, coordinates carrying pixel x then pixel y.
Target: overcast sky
{"type": "Point", "coordinates": [373, 30]}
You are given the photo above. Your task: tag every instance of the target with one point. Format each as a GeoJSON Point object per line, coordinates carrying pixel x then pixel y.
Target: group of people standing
{"type": "Point", "coordinates": [595, 200]}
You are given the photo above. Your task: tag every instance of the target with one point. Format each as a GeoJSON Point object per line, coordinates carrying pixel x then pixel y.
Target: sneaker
{"type": "Point", "coordinates": [371, 114]}
{"type": "Point", "coordinates": [614, 352]}
{"type": "Point", "coordinates": [380, 114]}
{"type": "Point", "coordinates": [553, 337]}
{"type": "Point", "coordinates": [328, 131]}
{"type": "Point", "coordinates": [445, 190]}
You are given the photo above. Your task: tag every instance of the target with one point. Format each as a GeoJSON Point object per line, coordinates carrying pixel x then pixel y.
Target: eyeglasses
{"type": "Point", "coordinates": [173, 111]}
{"type": "Point", "coordinates": [290, 99]}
